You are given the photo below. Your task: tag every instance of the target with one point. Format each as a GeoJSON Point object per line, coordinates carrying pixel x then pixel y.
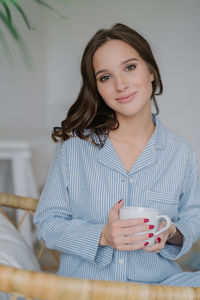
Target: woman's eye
{"type": "Point", "coordinates": [130, 67]}
{"type": "Point", "coordinates": [104, 78]}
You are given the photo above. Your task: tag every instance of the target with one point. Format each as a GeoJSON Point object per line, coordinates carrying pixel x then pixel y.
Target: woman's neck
{"type": "Point", "coordinates": [136, 128]}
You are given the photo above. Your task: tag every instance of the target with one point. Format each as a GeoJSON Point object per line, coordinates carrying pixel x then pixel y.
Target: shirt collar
{"type": "Point", "coordinates": [160, 133]}
{"type": "Point", "coordinates": [108, 156]}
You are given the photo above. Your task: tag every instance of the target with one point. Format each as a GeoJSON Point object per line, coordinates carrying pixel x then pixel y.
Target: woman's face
{"type": "Point", "coordinates": [123, 79]}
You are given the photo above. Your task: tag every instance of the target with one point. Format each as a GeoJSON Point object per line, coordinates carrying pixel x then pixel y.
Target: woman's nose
{"type": "Point", "coordinates": [120, 83]}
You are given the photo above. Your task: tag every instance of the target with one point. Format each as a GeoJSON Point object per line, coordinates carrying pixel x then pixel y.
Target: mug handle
{"type": "Point", "coordinates": [168, 220]}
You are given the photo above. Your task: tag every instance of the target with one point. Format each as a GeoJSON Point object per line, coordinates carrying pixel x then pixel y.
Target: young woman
{"type": "Point", "coordinates": [113, 151]}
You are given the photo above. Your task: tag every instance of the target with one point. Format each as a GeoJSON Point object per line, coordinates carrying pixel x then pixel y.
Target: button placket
{"type": "Point", "coordinates": [123, 183]}
{"type": "Point", "coordinates": [131, 180]}
{"type": "Point", "coordinates": [121, 261]}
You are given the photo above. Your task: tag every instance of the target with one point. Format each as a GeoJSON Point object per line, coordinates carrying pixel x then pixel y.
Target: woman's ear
{"type": "Point", "coordinates": [151, 72]}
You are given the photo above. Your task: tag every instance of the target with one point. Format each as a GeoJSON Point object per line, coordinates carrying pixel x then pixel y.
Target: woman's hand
{"type": "Point", "coordinates": [161, 239]}
{"type": "Point", "coordinates": [117, 233]}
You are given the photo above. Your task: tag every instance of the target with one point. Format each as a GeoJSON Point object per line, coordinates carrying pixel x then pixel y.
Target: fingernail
{"type": "Point", "coordinates": [146, 220]}
{"type": "Point", "coordinates": [120, 201]}
{"type": "Point", "coordinates": [158, 239]}
{"type": "Point", "coordinates": [151, 234]}
{"type": "Point", "coordinates": [151, 226]}
{"type": "Point", "coordinates": [145, 244]}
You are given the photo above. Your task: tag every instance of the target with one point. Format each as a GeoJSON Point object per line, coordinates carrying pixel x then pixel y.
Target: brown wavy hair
{"type": "Point", "coordinates": [89, 117]}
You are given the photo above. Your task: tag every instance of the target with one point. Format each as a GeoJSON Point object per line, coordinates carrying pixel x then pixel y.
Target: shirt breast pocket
{"type": "Point", "coordinates": [166, 203]}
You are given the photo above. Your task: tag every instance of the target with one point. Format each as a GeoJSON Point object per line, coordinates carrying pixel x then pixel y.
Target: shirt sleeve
{"type": "Point", "coordinates": [56, 225]}
{"type": "Point", "coordinates": [188, 221]}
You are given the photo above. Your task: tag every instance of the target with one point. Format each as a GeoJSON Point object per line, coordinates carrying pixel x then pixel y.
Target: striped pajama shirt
{"type": "Point", "coordinates": [85, 181]}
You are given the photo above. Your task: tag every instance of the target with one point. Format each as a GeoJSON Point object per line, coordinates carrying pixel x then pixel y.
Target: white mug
{"type": "Point", "coordinates": [154, 216]}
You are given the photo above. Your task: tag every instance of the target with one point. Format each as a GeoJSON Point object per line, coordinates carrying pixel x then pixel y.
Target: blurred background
{"type": "Point", "coordinates": [33, 102]}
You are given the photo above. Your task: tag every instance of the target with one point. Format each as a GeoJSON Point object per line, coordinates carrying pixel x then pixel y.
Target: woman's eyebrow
{"type": "Point", "coordinates": [101, 71]}
{"type": "Point", "coordinates": [129, 60]}
{"type": "Point", "coordinates": [122, 63]}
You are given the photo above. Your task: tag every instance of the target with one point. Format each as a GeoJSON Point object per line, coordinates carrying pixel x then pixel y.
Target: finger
{"type": "Point", "coordinates": [132, 247]}
{"type": "Point", "coordinates": [114, 212]}
{"type": "Point", "coordinates": [132, 222]}
{"type": "Point", "coordinates": [159, 244]}
{"type": "Point", "coordinates": [154, 248]}
{"type": "Point", "coordinates": [132, 239]}
{"type": "Point", "coordinates": [135, 229]}
{"type": "Point", "coordinates": [158, 240]}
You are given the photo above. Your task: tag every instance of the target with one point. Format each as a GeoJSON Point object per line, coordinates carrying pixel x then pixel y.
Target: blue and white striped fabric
{"type": "Point", "coordinates": [84, 183]}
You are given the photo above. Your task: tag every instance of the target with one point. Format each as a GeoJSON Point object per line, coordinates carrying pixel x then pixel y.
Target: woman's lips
{"type": "Point", "coordinates": [126, 98]}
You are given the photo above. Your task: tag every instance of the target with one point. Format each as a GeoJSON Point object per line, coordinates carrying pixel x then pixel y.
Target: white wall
{"type": "Point", "coordinates": [39, 100]}
{"type": "Point", "coordinates": [23, 102]}
{"type": "Point", "coordinates": [23, 91]}
{"type": "Point", "coordinates": [171, 27]}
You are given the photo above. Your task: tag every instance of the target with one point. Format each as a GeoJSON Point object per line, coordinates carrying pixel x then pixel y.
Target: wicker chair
{"type": "Point", "coordinates": [42, 285]}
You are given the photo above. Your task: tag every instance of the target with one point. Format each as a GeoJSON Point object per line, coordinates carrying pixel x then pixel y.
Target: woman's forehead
{"type": "Point", "coordinates": [114, 51]}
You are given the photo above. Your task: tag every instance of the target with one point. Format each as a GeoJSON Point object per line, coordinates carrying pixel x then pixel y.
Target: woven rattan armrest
{"type": "Point", "coordinates": [40, 285]}
{"type": "Point", "coordinates": [52, 287]}
{"type": "Point", "coordinates": [14, 201]}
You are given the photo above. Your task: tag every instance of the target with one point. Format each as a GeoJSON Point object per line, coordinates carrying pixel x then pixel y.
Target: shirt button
{"type": "Point", "coordinates": [121, 261]}
{"type": "Point", "coordinates": [131, 180]}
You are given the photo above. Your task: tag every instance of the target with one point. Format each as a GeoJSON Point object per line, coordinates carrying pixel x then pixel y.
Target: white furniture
{"type": "Point", "coordinates": [19, 179]}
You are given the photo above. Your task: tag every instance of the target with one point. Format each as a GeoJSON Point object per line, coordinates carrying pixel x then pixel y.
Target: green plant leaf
{"type": "Point", "coordinates": [44, 3]}
{"type": "Point", "coordinates": [49, 7]}
{"type": "Point", "coordinates": [26, 56]}
{"type": "Point", "coordinates": [5, 47]}
{"type": "Point", "coordinates": [6, 19]}
{"type": "Point", "coordinates": [7, 9]}
{"type": "Point", "coordinates": [18, 7]}
{"type": "Point", "coordinates": [9, 26]}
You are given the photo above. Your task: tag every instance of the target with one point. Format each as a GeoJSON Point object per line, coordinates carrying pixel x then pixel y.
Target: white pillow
{"type": "Point", "coordinates": [14, 251]}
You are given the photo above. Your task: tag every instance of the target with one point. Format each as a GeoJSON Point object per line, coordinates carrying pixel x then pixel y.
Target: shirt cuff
{"type": "Point", "coordinates": [88, 247]}
{"type": "Point", "coordinates": [104, 256]}
{"type": "Point", "coordinates": [173, 252]}
{"type": "Point", "coordinates": [85, 242]}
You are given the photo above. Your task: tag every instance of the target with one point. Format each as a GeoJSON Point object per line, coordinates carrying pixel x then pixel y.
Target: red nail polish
{"type": "Point", "coordinates": [120, 201]}
{"type": "Point", "coordinates": [158, 239]}
{"type": "Point", "coordinates": [146, 220]}
{"type": "Point", "coordinates": [145, 244]}
{"type": "Point", "coordinates": [151, 234]}
{"type": "Point", "coordinates": [151, 226]}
